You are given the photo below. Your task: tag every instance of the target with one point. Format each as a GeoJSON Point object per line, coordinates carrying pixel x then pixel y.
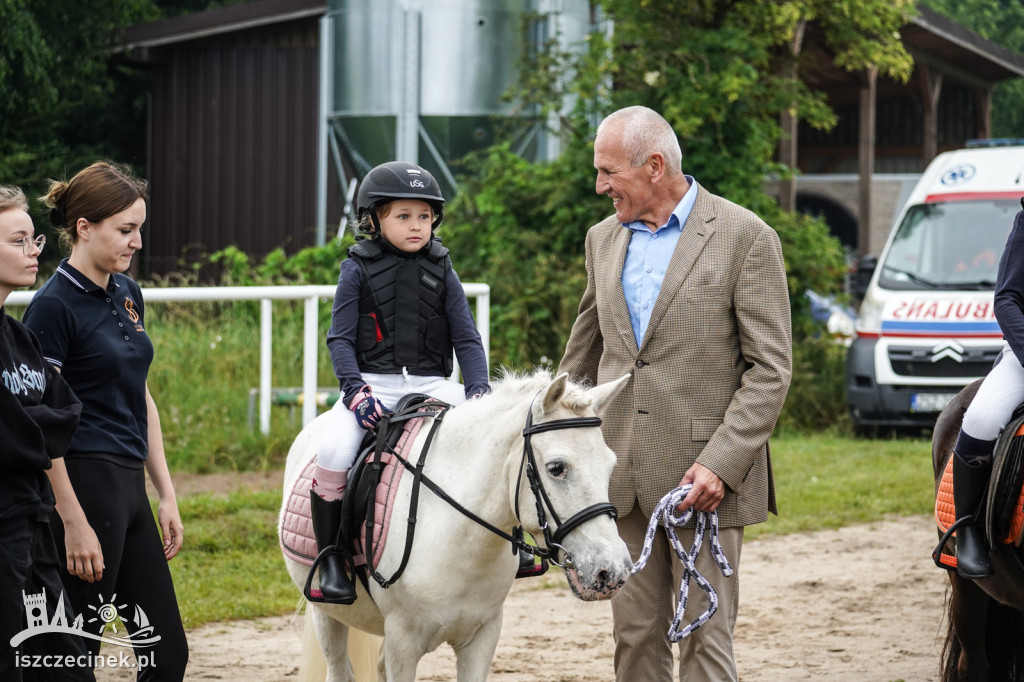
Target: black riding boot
{"type": "Point", "coordinates": [527, 565]}
{"type": "Point", "coordinates": [335, 585]}
{"type": "Point", "coordinates": [969, 484]}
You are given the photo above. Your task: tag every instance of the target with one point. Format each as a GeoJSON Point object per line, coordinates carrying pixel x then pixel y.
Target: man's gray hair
{"type": "Point", "coordinates": [645, 132]}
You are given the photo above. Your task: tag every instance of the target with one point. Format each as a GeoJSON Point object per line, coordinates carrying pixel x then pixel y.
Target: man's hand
{"type": "Point", "coordinates": [707, 492]}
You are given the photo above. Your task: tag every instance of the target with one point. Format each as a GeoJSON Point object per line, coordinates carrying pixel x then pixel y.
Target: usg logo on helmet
{"type": "Point", "coordinates": [414, 178]}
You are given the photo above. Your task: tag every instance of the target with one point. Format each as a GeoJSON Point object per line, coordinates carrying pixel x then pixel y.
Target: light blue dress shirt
{"type": "Point", "coordinates": [647, 259]}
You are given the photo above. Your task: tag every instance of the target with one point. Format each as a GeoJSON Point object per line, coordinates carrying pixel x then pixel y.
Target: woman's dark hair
{"type": "Point", "coordinates": [94, 193]}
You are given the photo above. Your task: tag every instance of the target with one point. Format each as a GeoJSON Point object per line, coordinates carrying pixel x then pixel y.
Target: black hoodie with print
{"type": "Point", "coordinates": [38, 415]}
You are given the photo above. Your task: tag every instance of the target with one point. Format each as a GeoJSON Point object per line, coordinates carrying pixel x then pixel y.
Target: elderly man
{"type": "Point", "coordinates": [687, 291]}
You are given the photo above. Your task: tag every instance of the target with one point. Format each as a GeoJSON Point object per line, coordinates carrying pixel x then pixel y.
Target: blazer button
{"type": "Point", "coordinates": [640, 364]}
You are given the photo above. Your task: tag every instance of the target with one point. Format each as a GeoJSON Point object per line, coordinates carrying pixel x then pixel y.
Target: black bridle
{"type": "Point", "coordinates": [552, 540]}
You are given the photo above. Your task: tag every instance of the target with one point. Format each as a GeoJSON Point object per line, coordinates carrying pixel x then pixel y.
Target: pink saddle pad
{"type": "Point", "coordinates": [296, 531]}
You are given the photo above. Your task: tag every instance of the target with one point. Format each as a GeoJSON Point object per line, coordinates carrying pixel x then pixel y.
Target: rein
{"type": "Point", "coordinates": [663, 515]}
{"type": "Point", "coordinates": [528, 461]}
{"type": "Point", "coordinates": [439, 409]}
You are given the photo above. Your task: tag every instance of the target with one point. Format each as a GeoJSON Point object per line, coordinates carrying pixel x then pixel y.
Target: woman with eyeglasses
{"type": "Point", "coordinates": [38, 415]}
{"type": "Point", "coordinates": [90, 320]}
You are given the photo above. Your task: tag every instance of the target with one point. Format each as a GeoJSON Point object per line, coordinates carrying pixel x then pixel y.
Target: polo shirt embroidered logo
{"type": "Point", "coordinates": [129, 305]}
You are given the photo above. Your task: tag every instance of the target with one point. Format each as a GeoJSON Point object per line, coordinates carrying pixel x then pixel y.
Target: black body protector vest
{"type": "Point", "coordinates": [402, 321]}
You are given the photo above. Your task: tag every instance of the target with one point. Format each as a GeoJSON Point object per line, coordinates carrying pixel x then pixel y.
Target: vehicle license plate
{"type": "Point", "coordinates": [929, 402]}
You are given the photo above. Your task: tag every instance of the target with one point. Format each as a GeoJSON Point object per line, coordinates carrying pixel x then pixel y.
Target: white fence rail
{"type": "Point", "coordinates": [311, 295]}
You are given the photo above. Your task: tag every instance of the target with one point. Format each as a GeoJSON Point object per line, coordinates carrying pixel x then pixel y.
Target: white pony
{"type": "Point", "coordinates": [458, 572]}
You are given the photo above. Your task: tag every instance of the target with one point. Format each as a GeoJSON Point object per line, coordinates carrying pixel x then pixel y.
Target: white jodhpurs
{"type": "Point", "coordinates": [339, 442]}
{"type": "Point", "coordinates": [1000, 393]}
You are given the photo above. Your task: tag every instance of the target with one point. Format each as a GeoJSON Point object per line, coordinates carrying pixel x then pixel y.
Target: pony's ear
{"type": "Point", "coordinates": [554, 392]}
{"type": "Point", "coordinates": [604, 393]}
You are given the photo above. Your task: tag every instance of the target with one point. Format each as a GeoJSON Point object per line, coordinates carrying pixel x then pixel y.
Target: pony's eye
{"type": "Point", "coordinates": [556, 469]}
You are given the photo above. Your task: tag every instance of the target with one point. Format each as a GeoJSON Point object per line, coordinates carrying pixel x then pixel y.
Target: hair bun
{"type": "Point", "coordinates": [57, 217]}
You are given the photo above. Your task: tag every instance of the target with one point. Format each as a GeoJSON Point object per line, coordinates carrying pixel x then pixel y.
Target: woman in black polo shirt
{"type": "Point", "coordinates": [38, 415]}
{"type": "Point", "coordinates": [90, 320]}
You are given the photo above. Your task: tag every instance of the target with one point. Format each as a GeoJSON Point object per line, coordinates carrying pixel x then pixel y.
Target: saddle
{"type": "Point", "coordinates": [370, 494]}
{"type": "Point", "coordinates": [1003, 509]}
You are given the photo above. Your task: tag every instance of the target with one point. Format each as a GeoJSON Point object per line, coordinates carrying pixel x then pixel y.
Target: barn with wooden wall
{"type": "Point", "coordinates": [233, 129]}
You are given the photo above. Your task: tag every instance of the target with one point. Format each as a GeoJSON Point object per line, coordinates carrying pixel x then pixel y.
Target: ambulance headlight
{"type": "Point", "coordinates": [869, 316]}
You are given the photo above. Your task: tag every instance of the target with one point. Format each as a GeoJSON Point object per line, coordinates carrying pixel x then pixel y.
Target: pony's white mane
{"type": "Point", "coordinates": [513, 385]}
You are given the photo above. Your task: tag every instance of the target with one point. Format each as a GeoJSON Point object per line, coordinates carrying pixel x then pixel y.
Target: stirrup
{"type": "Point", "coordinates": [315, 594]}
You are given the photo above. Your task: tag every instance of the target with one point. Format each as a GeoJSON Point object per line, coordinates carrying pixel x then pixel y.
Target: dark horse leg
{"type": "Point", "coordinates": [968, 615]}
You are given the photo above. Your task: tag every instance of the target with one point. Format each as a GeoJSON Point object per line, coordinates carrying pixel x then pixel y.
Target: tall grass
{"type": "Point", "coordinates": [207, 358]}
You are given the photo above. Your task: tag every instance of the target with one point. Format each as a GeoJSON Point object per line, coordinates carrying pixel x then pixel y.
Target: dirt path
{"type": "Point", "coordinates": [861, 604]}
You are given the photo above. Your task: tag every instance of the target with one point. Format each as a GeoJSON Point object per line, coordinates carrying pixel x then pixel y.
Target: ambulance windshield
{"type": "Point", "coordinates": [951, 245]}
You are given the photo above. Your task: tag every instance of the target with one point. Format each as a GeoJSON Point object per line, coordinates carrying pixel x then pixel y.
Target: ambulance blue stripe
{"type": "Point", "coordinates": [892, 326]}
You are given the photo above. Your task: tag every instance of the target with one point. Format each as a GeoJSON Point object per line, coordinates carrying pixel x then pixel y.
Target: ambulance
{"type": "Point", "coordinates": [926, 326]}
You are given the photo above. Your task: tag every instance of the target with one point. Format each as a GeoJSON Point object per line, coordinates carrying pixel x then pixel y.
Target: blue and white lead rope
{"type": "Point", "coordinates": [663, 514]}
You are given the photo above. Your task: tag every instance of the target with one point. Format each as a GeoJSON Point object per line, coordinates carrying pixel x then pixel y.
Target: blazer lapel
{"type": "Point", "coordinates": [696, 233]}
{"type": "Point", "coordinates": [620, 310]}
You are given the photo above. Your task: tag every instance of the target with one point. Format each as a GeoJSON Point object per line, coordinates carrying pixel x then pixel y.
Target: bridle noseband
{"type": "Point", "coordinates": [553, 540]}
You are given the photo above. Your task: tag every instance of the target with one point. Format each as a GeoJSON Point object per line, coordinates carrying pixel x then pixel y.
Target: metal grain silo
{"type": "Point", "coordinates": [422, 80]}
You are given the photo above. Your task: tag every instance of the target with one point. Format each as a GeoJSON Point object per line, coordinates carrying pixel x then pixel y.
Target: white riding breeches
{"type": "Point", "coordinates": [998, 396]}
{"type": "Point", "coordinates": [339, 442]}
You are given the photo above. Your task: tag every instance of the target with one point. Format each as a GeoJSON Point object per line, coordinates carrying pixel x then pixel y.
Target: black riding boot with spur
{"type": "Point", "coordinates": [335, 585]}
{"type": "Point", "coordinates": [969, 485]}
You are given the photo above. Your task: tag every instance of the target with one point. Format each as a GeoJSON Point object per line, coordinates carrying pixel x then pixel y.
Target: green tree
{"type": "Point", "coordinates": [65, 97]}
{"type": "Point", "coordinates": [1002, 22]}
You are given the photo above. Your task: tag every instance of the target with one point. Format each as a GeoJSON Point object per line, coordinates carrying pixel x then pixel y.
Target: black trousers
{"type": "Point", "coordinates": [30, 571]}
{"type": "Point", "coordinates": [136, 574]}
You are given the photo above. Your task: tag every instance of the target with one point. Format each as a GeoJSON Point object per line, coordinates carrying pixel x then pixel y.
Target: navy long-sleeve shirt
{"type": "Point", "coordinates": [1009, 296]}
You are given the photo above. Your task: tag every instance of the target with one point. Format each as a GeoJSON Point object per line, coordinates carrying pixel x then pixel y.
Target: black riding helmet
{"type": "Point", "coordinates": [398, 180]}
